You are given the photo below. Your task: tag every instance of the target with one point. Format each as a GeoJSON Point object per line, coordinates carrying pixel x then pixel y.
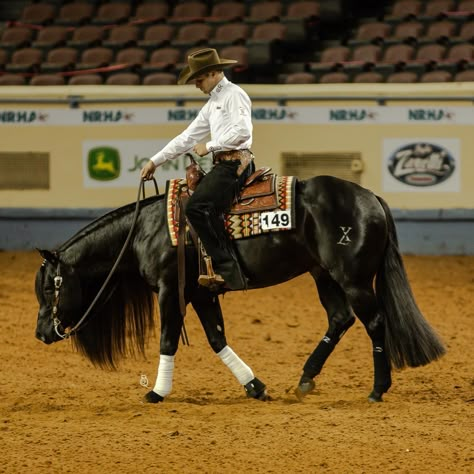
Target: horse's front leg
{"type": "Point", "coordinates": [208, 309]}
{"type": "Point", "coordinates": [171, 324]}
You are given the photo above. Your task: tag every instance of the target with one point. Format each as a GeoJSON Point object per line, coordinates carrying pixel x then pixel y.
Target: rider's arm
{"type": "Point", "coordinates": [197, 130]}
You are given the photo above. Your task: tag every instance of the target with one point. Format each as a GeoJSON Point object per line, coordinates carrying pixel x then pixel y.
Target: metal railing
{"type": "Point", "coordinates": [75, 101]}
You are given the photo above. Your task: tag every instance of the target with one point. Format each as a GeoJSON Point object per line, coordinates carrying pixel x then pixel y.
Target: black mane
{"type": "Point", "coordinates": [124, 317]}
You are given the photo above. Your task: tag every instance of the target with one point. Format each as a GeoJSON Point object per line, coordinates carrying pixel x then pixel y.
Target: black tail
{"type": "Point", "coordinates": [409, 339]}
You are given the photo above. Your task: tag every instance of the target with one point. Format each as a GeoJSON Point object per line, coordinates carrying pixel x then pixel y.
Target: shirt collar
{"type": "Point", "coordinates": [219, 86]}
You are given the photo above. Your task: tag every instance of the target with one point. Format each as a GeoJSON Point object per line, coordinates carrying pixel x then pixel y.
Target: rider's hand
{"type": "Point", "coordinates": [148, 170]}
{"type": "Point", "coordinates": [200, 149]}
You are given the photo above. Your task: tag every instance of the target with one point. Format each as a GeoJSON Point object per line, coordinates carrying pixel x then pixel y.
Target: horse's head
{"type": "Point", "coordinates": [58, 291]}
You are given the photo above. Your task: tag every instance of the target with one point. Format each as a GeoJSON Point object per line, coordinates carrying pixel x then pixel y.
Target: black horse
{"type": "Point", "coordinates": [345, 238]}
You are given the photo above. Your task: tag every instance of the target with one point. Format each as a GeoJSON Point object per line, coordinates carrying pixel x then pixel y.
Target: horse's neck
{"type": "Point", "coordinates": [96, 247]}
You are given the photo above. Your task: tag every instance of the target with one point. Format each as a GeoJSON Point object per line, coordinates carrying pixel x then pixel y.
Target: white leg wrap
{"type": "Point", "coordinates": [243, 373]}
{"type": "Point", "coordinates": [164, 380]}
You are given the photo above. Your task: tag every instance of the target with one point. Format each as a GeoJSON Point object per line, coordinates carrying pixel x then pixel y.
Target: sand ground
{"type": "Point", "coordinates": [59, 414]}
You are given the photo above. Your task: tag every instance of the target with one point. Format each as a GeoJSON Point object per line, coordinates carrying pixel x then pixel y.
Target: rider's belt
{"type": "Point", "coordinates": [244, 156]}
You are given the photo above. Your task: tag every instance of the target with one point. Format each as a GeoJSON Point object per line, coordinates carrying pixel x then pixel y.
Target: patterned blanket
{"type": "Point", "coordinates": [242, 225]}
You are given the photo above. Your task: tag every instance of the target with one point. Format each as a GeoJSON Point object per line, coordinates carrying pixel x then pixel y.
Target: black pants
{"type": "Point", "coordinates": [205, 210]}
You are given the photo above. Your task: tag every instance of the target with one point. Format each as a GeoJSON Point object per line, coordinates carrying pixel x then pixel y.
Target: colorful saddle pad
{"type": "Point", "coordinates": [278, 216]}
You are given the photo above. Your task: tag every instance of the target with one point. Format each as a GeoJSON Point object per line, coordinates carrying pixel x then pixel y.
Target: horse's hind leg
{"type": "Point", "coordinates": [208, 309]}
{"type": "Point", "coordinates": [340, 319]}
{"type": "Point", "coordinates": [364, 304]}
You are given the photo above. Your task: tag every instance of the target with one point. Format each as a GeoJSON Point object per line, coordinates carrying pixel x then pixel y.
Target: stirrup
{"type": "Point", "coordinates": [210, 279]}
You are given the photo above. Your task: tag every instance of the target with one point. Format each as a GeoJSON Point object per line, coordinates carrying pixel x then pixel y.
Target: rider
{"type": "Point", "coordinates": [226, 116]}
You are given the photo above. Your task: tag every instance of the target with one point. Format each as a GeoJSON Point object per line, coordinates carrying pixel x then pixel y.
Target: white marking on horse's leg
{"type": "Point", "coordinates": [242, 372]}
{"type": "Point", "coordinates": [164, 380]}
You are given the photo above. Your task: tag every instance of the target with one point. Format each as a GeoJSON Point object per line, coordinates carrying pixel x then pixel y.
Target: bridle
{"type": "Point", "coordinates": [58, 279]}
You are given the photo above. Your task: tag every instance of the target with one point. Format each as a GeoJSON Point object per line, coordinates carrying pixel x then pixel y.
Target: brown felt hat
{"type": "Point", "coordinates": [202, 61]}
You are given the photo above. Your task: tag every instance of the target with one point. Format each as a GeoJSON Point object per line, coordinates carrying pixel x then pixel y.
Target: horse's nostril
{"type": "Point", "coordinates": [40, 337]}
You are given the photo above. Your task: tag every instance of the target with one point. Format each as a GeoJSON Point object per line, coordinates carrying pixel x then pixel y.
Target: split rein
{"type": "Point", "coordinates": [58, 279]}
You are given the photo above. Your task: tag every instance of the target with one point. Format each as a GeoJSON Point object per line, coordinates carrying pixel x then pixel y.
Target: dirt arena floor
{"type": "Point", "coordinates": [59, 414]}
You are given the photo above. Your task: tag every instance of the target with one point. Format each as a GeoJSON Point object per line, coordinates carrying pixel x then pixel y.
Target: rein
{"type": "Point", "coordinates": [58, 278]}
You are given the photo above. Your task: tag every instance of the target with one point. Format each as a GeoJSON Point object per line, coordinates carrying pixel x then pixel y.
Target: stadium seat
{"type": "Point", "coordinates": [151, 12]}
{"type": "Point", "coordinates": [269, 32]}
{"type": "Point", "coordinates": [373, 32]}
{"type": "Point", "coordinates": [398, 54]}
{"type": "Point", "coordinates": [461, 53]}
{"type": "Point", "coordinates": [156, 36]}
{"type": "Point", "coordinates": [231, 33]}
{"type": "Point", "coordinates": [86, 36]}
{"type": "Point", "coordinates": [441, 31]}
{"type": "Point", "coordinates": [95, 57]}
{"type": "Point", "coordinates": [466, 33]}
{"type": "Point", "coordinates": [406, 9]}
{"type": "Point", "coordinates": [86, 79]}
{"type": "Point", "coordinates": [265, 11]}
{"type": "Point", "coordinates": [12, 80]}
{"type": "Point", "coordinates": [162, 60]}
{"type": "Point", "coordinates": [435, 8]}
{"type": "Point", "coordinates": [402, 77]}
{"type": "Point", "coordinates": [466, 6]}
{"type": "Point", "coordinates": [17, 37]}
{"type": "Point", "coordinates": [25, 60]}
{"type": "Point", "coordinates": [122, 36]}
{"type": "Point", "coordinates": [192, 35]}
{"type": "Point", "coordinates": [38, 13]}
{"type": "Point", "coordinates": [75, 13]}
{"type": "Point", "coordinates": [436, 76]}
{"type": "Point", "coordinates": [123, 79]}
{"type": "Point", "coordinates": [303, 9]}
{"type": "Point", "coordinates": [184, 13]}
{"type": "Point", "coordinates": [238, 52]}
{"type": "Point", "coordinates": [159, 79]}
{"type": "Point", "coordinates": [132, 56]}
{"type": "Point", "coordinates": [51, 37]}
{"type": "Point", "coordinates": [334, 78]}
{"type": "Point", "coordinates": [406, 31]}
{"type": "Point", "coordinates": [47, 80]}
{"type": "Point", "coordinates": [60, 59]}
{"type": "Point", "coordinates": [367, 54]}
{"type": "Point", "coordinates": [228, 11]}
{"type": "Point", "coordinates": [430, 54]}
{"type": "Point", "coordinates": [112, 13]}
{"type": "Point", "coordinates": [300, 78]}
{"type": "Point", "coordinates": [463, 76]}
{"type": "Point", "coordinates": [368, 77]}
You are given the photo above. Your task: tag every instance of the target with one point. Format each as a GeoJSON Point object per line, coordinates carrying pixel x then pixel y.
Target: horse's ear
{"type": "Point", "coordinates": [48, 255]}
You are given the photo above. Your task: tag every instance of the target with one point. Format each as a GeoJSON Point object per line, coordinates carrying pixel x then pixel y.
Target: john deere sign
{"type": "Point", "coordinates": [117, 163]}
{"type": "Point", "coordinates": [103, 163]}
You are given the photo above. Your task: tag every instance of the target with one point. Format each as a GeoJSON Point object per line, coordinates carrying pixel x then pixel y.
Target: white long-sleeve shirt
{"type": "Point", "coordinates": [226, 116]}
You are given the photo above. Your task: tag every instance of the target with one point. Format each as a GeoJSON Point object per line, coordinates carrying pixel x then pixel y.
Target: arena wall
{"type": "Point", "coordinates": [69, 153]}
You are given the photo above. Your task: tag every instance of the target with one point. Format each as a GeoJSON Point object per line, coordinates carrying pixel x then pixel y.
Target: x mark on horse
{"type": "Point", "coordinates": [342, 234]}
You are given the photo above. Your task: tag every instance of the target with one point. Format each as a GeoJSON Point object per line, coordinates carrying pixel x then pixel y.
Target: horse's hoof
{"type": "Point", "coordinates": [304, 388]}
{"type": "Point", "coordinates": [375, 397]}
{"type": "Point", "coordinates": [152, 397]}
{"type": "Point", "coordinates": [257, 389]}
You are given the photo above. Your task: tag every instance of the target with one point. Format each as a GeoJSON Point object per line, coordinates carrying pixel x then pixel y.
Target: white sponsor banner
{"type": "Point", "coordinates": [421, 165]}
{"type": "Point", "coordinates": [117, 163]}
{"type": "Point", "coordinates": [304, 115]}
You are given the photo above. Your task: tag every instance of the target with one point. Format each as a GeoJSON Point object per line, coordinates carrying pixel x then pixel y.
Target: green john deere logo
{"type": "Point", "coordinates": [103, 163]}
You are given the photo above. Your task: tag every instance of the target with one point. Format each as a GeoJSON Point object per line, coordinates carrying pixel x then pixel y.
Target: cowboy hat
{"type": "Point", "coordinates": [202, 61]}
